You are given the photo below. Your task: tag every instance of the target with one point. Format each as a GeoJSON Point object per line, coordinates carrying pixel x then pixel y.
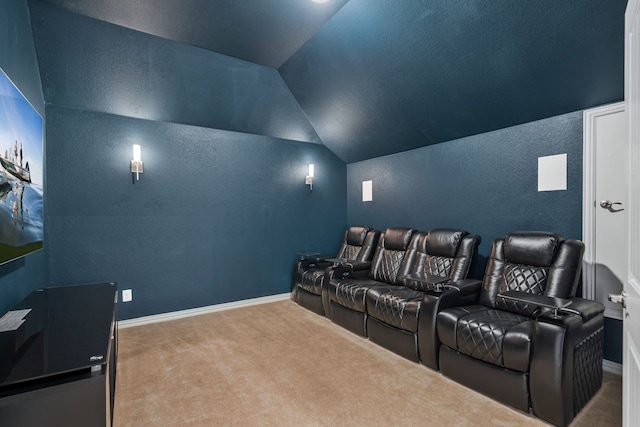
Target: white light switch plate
{"type": "Point", "coordinates": [126, 295]}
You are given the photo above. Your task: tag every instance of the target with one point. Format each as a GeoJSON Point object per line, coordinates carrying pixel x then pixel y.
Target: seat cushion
{"type": "Point", "coordinates": [351, 293]}
{"type": "Point", "coordinates": [497, 337]}
{"type": "Point", "coordinates": [312, 280]}
{"type": "Point", "coordinates": [396, 307]}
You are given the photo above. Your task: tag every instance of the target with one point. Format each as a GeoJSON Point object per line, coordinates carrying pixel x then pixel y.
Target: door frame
{"type": "Point", "coordinates": [631, 325]}
{"type": "Point", "coordinates": [588, 198]}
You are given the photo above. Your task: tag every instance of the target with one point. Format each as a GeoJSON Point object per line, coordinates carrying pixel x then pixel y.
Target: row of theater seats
{"type": "Point", "coordinates": [519, 335]}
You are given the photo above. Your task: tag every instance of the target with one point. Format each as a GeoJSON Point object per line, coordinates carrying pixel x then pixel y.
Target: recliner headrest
{"type": "Point", "coordinates": [356, 235]}
{"type": "Point", "coordinates": [444, 242]}
{"type": "Point", "coordinates": [535, 248]}
{"type": "Point", "coordinates": [397, 239]}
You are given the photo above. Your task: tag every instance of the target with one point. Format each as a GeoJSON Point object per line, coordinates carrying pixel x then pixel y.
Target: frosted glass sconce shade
{"type": "Point", "coordinates": [136, 163]}
{"type": "Point", "coordinates": [309, 178]}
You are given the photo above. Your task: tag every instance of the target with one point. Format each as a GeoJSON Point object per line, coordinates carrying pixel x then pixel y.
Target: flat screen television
{"type": "Point", "coordinates": [21, 174]}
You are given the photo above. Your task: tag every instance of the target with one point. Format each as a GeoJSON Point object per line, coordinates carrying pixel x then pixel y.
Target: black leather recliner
{"type": "Point", "coordinates": [396, 315]}
{"type": "Point", "coordinates": [347, 291]}
{"type": "Point", "coordinates": [309, 288]}
{"type": "Point", "coordinates": [528, 342]}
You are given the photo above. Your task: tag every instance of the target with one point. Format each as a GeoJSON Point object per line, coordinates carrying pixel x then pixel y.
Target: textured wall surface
{"type": "Point", "coordinates": [486, 184]}
{"type": "Point", "coordinates": [216, 216]}
{"type": "Point", "coordinates": [18, 60]}
{"type": "Point", "coordinates": [221, 207]}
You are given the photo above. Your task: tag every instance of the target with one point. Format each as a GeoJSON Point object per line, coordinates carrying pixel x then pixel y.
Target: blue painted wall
{"type": "Point", "coordinates": [486, 184]}
{"type": "Point", "coordinates": [221, 207]}
{"type": "Point", "coordinates": [18, 60]}
{"type": "Point", "coordinates": [216, 216]}
{"type": "Point", "coordinates": [613, 340]}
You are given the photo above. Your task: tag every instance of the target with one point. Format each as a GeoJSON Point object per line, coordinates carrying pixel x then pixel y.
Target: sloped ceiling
{"type": "Point", "coordinates": [382, 77]}
{"type": "Point", "coordinates": [266, 32]}
{"type": "Point", "coordinates": [92, 65]}
{"type": "Point", "coordinates": [376, 77]}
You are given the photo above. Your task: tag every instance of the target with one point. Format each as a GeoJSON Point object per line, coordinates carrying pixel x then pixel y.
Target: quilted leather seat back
{"type": "Point", "coordinates": [534, 262]}
{"type": "Point", "coordinates": [352, 243]}
{"type": "Point", "coordinates": [359, 244]}
{"type": "Point", "coordinates": [389, 254]}
{"type": "Point", "coordinates": [523, 278]}
{"type": "Point", "coordinates": [458, 245]}
{"type": "Point", "coordinates": [440, 252]}
{"type": "Point", "coordinates": [350, 252]}
{"type": "Point", "coordinates": [440, 249]}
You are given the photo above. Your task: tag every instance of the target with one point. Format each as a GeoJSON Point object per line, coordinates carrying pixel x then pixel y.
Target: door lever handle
{"type": "Point", "coordinates": [619, 299]}
{"type": "Point", "coordinates": [608, 204]}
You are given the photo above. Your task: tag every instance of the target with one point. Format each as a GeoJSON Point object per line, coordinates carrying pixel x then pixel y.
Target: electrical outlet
{"type": "Point", "coordinates": [127, 295]}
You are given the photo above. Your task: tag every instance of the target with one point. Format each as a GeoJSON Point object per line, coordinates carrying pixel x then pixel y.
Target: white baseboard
{"type": "Point", "coordinates": [612, 367]}
{"type": "Point", "coordinates": [145, 320]}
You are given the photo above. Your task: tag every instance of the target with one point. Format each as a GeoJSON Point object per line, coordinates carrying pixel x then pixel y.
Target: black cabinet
{"type": "Point", "coordinates": [58, 368]}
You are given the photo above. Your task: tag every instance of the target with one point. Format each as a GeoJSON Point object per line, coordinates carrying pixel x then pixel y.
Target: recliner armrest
{"type": "Point", "coordinates": [342, 270]}
{"type": "Point", "coordinates": [584, 308]}
{"type": "Point", "coordinates": [359, 265]}
{"type": "Point", "coordinates": [313, 263]}
{"type": "Point", "coordinates": [322, 258]}
{"type": "Point", "coordinates": [349, 263]}
{"type": "Point", "coordinates": [588, 309]}
{"type": "Point", "coordinates": [466, 286]}
{"type": "Point", "coordinates": [544, 301]}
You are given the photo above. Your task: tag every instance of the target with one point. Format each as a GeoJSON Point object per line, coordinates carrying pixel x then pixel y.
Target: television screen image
{"type": "Point", "coordinates": [21, 174]}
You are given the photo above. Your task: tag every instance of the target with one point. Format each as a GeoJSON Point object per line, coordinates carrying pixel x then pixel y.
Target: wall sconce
{"type": "Point", "coordinates": [136, 163]}
{"type": "Point", "coordinates": [309, 178]}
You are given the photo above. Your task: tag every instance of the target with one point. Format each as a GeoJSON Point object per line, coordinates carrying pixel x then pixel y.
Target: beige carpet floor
{"type": "Point", "coordinates": [278, 364]}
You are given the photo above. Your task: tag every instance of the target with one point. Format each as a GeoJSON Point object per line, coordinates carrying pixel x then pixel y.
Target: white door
{"type": "Point", "coordinates": [631, 322]}
{"type": "Point", "coordinates": [605, 225]}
